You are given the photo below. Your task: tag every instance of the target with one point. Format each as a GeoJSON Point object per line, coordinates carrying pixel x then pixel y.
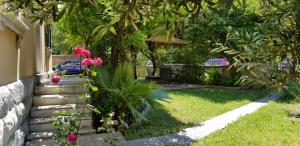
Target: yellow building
{"type": "Point", "coordinates": [23, 59]}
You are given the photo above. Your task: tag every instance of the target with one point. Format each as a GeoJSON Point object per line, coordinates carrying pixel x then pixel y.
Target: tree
{"type": "Point", "coordinates": [271, 53]}
{"type": "Point", "coordinates": [117, 18]}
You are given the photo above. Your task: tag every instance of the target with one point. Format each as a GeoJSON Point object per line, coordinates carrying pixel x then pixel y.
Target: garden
{"type": "Point", "coordinates": [157, 67]}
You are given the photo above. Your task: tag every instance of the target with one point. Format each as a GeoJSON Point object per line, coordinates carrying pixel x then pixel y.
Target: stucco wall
{"type": "Point", "coordinates": [27, 53]}
{"type": "Point", "coordinates": [8, 56]}
{"type": "Point", "coordinates": [18, 66]}
{"type": "Point", "coordinates": [21, 62]}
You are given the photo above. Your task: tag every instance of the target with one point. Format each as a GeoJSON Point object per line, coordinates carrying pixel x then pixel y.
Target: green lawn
{"type": "Point", "coordinates": [270, 126]}
{"type": "Point", "coordinates": [188, 107]}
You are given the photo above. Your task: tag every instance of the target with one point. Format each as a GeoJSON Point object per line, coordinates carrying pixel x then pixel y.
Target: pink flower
{"type": "Point", "coordinates": [72, 138]}
{"type": "Point", "coordinates": [86, 62]}
{"type": "Point", "coordinates": [78, 50]}
{"type": "Point", "coordinates": [86, 53]}
{"type": "Point", "coordinates": [55, 79]}
{"type": "Point", "coordinates": [97, 61]}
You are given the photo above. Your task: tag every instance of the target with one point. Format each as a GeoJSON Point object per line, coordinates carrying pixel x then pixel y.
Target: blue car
{"type": "Point", "coordinates": [70, 67]}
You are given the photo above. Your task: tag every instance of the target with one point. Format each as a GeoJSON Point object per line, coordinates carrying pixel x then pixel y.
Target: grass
{"type": "Point", "coordinates": [189, 107]}
{"type": "Point", "coordinates": [269, 126]}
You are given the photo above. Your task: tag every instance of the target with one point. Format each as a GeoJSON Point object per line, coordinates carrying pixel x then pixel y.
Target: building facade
{"type": "Point", "coordinates": [23, 60]}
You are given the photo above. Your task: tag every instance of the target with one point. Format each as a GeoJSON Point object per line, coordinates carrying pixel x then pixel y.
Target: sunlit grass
{"type": "Point", "coordinates": [189, 107]}
{"type": "Point", "coordinates": [269, 126]}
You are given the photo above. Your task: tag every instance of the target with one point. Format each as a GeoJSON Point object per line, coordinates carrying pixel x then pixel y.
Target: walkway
{"type": "Point", "coordinates": [192, 134]}
{"type": "Point", "coordinates": [177, 86]}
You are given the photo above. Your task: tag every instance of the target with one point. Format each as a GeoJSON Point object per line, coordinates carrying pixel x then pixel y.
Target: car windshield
{"type": "Point", "coordinates": [70, 63]}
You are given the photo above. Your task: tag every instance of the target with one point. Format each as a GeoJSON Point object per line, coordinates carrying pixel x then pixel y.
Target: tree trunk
{"type": "Point", "coordinates": [114, 56]}
{"type": "Point", "coordinates": [115, 52]}
{"type": "Point", "coordinates": [154, 66]}
{"type": "Point", "coordinates": [151, 47]}
{"type": "Point", "coordinates": [135, 65]}
{"type": "Point", "coordinates": [134, 61]}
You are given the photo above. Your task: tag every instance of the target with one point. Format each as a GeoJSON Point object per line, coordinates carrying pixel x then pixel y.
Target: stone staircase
{"type": "Point", "coordinates": [50, 99]}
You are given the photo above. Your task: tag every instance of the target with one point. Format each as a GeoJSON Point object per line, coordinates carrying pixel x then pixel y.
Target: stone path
{"type": "Point", "coordinates": [192, 134]}
{"type": "Point", "coordinates": [168, 87]}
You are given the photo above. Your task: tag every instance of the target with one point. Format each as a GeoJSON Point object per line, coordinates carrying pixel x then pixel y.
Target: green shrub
{"type": "Point", "coordinates": [293, 89]}
{"type": "Point", "coordinates": [190, 74]}
{"type": "Point", "coordinates": [232, 81]}
{"type": "Point", "coordinates": [121, 99]}
{"type": "Point", "coordinates": [211, 76]}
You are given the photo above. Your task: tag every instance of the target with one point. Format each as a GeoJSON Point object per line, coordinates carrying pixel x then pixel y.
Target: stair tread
{"type": "Point", "coordinates": [58, 86]}
{"type": "Point", "coordinates": [56, 107]}
{"type": "Point", "coordinates": [50, 134]}
{"type": "Point", "coordinates": [57, 96]}
{"type": "Point", "coordinates": [60, 89]}
{"type": "Point", "coordinates": [72, 80]}
{"type": "Point", "coordinates": [50, 120]}
{"type": "Point", "coordinates": [57, 99]}
{"type": "Point", "coordinates": [91, 139]}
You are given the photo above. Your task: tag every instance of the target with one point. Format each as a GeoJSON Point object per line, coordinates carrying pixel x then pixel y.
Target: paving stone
{"type": "Point", "coordinates": [170, 87]}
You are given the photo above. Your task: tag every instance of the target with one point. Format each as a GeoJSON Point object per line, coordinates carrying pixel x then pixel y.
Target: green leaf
{"type": "Point", "coordinates": [94, 89]}
{"type": "Point", "coordinates": [94, 74]}
{"type": "Point", "coordinates": [112, 30]}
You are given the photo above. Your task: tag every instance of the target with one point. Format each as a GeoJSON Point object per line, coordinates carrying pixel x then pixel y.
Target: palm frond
{"type": "Point", "coordinates": [129, 92]}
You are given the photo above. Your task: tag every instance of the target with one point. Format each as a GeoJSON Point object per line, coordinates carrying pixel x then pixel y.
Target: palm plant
{"type": "Point", "coordinates": [127, 98]}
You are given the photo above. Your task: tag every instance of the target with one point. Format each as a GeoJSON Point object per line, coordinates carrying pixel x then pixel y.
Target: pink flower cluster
{"type": "Point", "coordinates": [83, 52]}
{"type": "Point", "coordinates": [72, 138]}
{"type": "Point", "coordinates": [87, 62]}
{"type": "Point", "coordinates": [55, 79]}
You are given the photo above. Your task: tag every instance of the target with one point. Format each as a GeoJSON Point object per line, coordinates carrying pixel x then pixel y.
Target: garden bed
{"type": "Point", "coordinates": [189, 107]}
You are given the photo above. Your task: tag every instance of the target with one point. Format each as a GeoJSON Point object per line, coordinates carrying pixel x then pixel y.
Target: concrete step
{"type": "Point", "coordinates": [52, 110]}
{"type": "Point", "coordinates": [90, 139]}
{"type": "Point", "coordinates": [57, 99]}
{"type": "Point", "coordinates": [60, 89]}
{"type": "Point", "coordinates": [66, 81]}
{"type": "Point", "coordinates": [46, 124]}
{"type": "Point", "coordinates": [46, 135]}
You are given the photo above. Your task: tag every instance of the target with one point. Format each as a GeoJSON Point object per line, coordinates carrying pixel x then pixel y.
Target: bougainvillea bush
{"type": "Point", "coordinates": [116, 99]}
{"type": "Point", "coordinates": [67, 125]}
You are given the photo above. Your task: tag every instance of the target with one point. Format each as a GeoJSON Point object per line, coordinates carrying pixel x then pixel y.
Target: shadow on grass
{"type": "Point", "coordinates": [160, 122]}
{"type": "Point", "coordinates": [292, 104]}
{"type": "Point", "coordinates": [222, 95]}
{"type": "Point", "coordinates": [285, 99]}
